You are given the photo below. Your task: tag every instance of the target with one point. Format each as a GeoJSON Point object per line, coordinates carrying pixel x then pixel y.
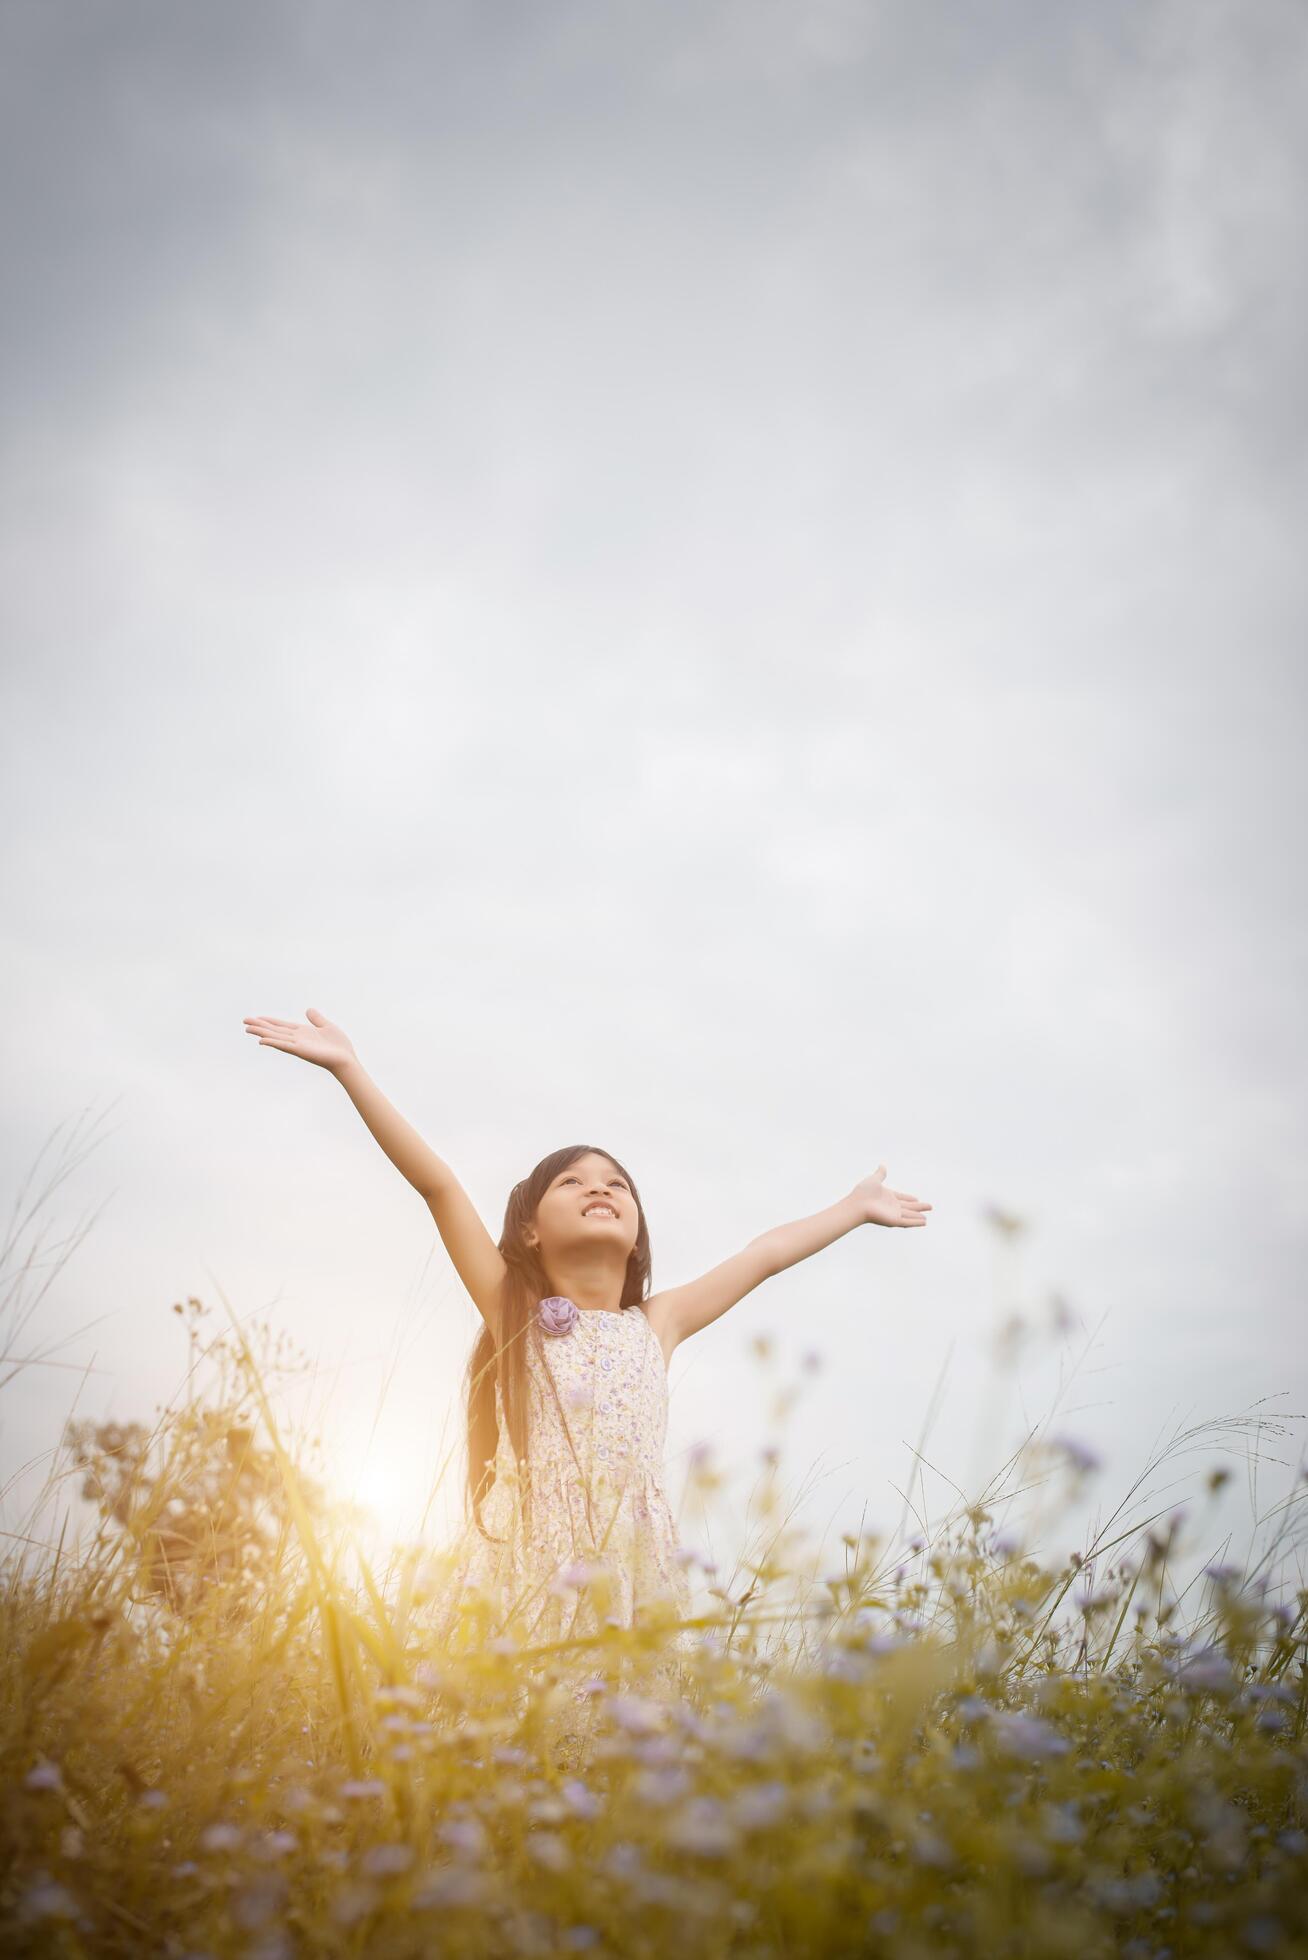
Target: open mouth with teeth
{"type": "Point", "coordinates": [599, 1211]}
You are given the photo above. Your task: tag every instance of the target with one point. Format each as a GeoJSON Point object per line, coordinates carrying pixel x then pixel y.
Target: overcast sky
{"type": "Point", "coordinates": [723, 581]}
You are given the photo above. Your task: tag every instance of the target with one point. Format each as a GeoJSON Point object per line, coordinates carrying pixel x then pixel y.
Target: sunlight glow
{"type": "Point", "coordinates": [387, 1490]}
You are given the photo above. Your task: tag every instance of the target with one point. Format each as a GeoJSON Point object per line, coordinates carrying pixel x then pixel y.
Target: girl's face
{"type": "Point", "coordinates": [588, 1210]}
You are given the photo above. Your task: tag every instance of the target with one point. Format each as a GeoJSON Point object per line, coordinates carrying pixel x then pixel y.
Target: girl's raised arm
{"type": "Point", "coordinates": [476, 1257]}
{"type": "Point", "coordinates": [683, 1310]}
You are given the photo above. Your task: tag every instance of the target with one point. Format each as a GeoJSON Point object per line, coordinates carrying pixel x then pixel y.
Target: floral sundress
{"type": "Point", "coordinates": [602, 1545]}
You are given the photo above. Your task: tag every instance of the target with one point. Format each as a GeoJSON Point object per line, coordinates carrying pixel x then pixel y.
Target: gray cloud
{"type": "Point", "coordinates": [723, 579]}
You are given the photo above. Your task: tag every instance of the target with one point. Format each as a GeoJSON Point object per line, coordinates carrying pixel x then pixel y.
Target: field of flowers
{"type": "Point", "coordinates": [224, 1732]}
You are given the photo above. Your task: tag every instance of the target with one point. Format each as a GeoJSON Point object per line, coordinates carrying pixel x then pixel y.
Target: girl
{"type": "Point", "coordinates": [566, 1391]}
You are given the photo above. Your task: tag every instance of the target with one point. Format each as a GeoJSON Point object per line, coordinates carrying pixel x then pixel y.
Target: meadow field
{"type": "Point", "coordinates": [225, 1730]}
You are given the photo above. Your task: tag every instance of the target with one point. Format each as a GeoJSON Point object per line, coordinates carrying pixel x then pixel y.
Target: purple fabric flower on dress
{"type": "Point", "coordinates": [558, 1315]}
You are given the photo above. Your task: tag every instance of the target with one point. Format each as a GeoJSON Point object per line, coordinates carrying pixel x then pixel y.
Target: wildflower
{"type": "Point", "coordinates": [794, 1726]}
{"type": "Point", "coordinates": [358, 1788]}
{"type": "Point", "coordinates": [1028, 1737]}
{"type": "Point", "coordinates": [624, 1860]}
{"type": "Point", "coordinates": [1062, 1823]}
{"type": "Point", "coordinates": [256, 1902]}
{"type": "Point", "coordinates": [929, 1848]}
{"type": "Point", "coordinates": [572, 1577]}
{"type": "Point", "coordinates": [220, 1837]}
{"type": "Point", "coordinates": [636, 1715]}
{"type": "Point", "coordinates": [44, 1776]}
{"type": "Point", "coordinates": [1082, 1460]}
{"type": "Point", "coordinates": [657, 1749]}
{"type": "Point", "coordinates": [352, 1903]}
{"type": "Point", "coordinates": [844, 1664]}
{"type": "Point", "coordinates": [1125, 1896]}
{"type": "Point", "coordinates": [410, 1697]}
{"type": "Point", "coordinates": [465, 1834]}
{"type": "Point", "coordinates": [1222, 1575]}
{"type": "Point", "coordinates": [1207, 1672]}
{"type": "Point", "coordinates": [579, 1938]}
{"type": "Point", "coordinates": [451, 1887]}
{"type": "Point", "coordinates": [703, 1827]}
{"type": "Point", "coordinates": [275, 1844]}
{"type": "Point", "coordinates": [153, 1799]}
{"type": "Point", "coordinates": [581, 1801]}
{"type": "Point", "coordinates": [187, 1869]}
{"type": "Point", "coordinates": [433, 1677]}
{"type": "Point", "coordinates": [660, 1787]}
{"type": "Point", "coordinates": [549, 1850]}
{"type": "Point", "coordinates": [47, 1900]}
{"type": "Point", "coordinates": [745, 1741]}
{"type": "Point", "coordinates": [386, 1860]}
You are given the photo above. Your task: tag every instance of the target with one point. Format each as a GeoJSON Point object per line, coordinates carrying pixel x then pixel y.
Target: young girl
{"type": "Point", "coordinates": [569, 1527]}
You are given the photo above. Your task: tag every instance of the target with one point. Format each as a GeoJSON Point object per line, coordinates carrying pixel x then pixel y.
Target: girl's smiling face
{"type": "Point", "coordinates": [587, 1219]}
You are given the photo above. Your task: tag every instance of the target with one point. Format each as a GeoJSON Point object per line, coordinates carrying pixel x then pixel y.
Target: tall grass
{"type": "Point", "coordinates": [224, 1732]}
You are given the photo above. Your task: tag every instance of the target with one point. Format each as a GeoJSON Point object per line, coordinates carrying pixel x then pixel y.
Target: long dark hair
{"type": "Point", "coordinates": [526, 1283]}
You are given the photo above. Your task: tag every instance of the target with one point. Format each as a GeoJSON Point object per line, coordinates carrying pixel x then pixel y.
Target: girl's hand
{"type": "Point", "coordinates": [882, 1206]}
{"type": "Point", "coordinates": [315, 1040]}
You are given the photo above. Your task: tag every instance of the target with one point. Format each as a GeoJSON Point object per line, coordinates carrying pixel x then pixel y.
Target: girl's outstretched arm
{"type": "Point", "coordinates": [476, 1257]}
{"type": "Point", "coordinates": [684, 1310]}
